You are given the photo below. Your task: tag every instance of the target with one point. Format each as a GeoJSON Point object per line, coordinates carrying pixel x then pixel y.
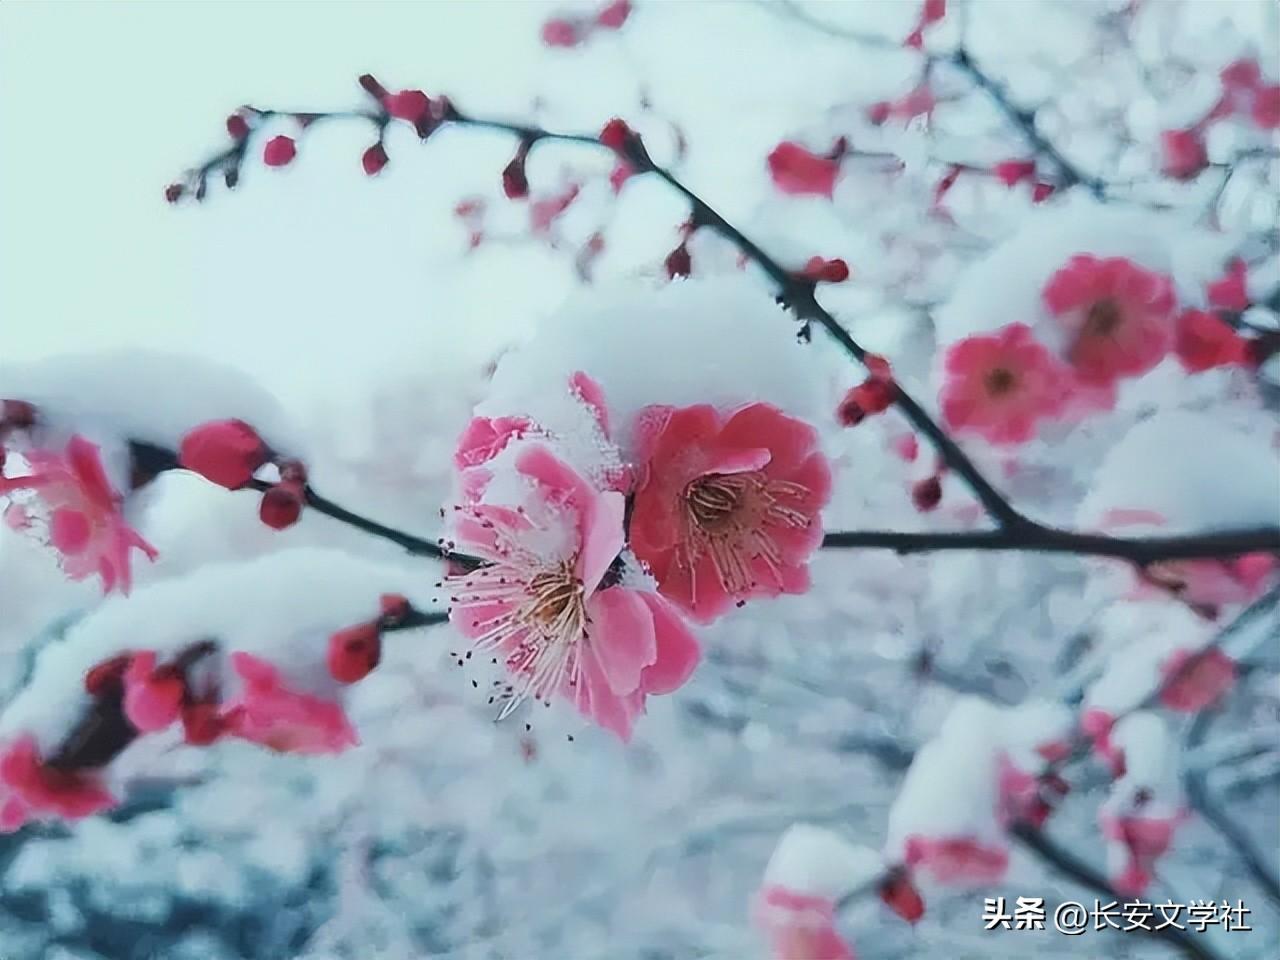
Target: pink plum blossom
{"type": "Point", "coordinates": [800, 926]}
{"type": "Point", "coordinates": [1208, 582]}
{"type": "Point", "coordinates": [1001, 386]}
{"type": "Point", "coordinates": [30, 790]}
{"type": "Point", "coordinates": [548, 603]}
{"type": "Point", "coordinates": [80, 513]}
{"type": "Point", "coordinates": [152, 697]}
{"type": "Point", "coordinates": [1117, 317]}
{"type": "Point", "coordinates": [727, 506]}
{"type": "Point", "coordinates": [1143, 840]}
{"type": "Point", "coordinates": [956, 861]}
{"type": "Point", "coordinates": [1205, 341]}
{"type": "Point", "coordinates": [269, 713]}
{"type": "Point", "coordinates": [1194, 680]}
{"type": "Point", "coordinates": [796, 170]}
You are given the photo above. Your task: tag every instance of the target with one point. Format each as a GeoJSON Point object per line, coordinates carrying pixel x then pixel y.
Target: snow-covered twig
{"type": "Point", "coordinates": [1067, 864]}
{"type": "Point", "coordinates": [1193, 780]}
{"type": "Point", "coordinates": [798, 293]}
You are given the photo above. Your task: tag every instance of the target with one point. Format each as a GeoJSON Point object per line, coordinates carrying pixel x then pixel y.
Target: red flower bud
{"type": "Point", "coordinates": [237, 126]}
{"type": "Point", "coordinates": [282, 505]}
{"type": "Point", "coordinates": [173, 192]}
{"type": "Point", "coordinates": [374, 159]}
{"type": "Point", "coordinates": [202, 724]}
{"type": "Point", "coordinates": [279, 151]}
{"type": "Point", "coordinates": [678, 262]}
{"type": "Point", "coordinates": [17, 413]}
{"type": "Point", "coordinates": [614, 15]}
{"type": "Point", "coordinates": [879, 112]}
{"type": "Point", "coordinates": [354, 652]}
{"type": "Point", "coordinates": [514, 182]}
{"type": "Point", "coordinates": [1013, 172]}
{"type": "Point", "coordinates": [901, 897]}
{"type": "Point", "coordinates": [107, 675]}
{"type": "Point", "coordinates": [1041, 192]}
{"type": "Point", "coordinates": [394, 606]}
{"type": "Point", "coordinates": [1182, 154]}
{"type": "Point", "coordinates": [372, 87]}
{"type": "Point", "coordinates": [559, 32]}
{"type": "Point", "coordinates": [821, 270]}
{"type": "Point", "coordinates": [615, 135]}
{"type": "Point", "coordinates": [927, 494]}
{"type": "Point", "coordinates": [226, 452]}
{"type": "Point", "coordinates": [410, 105]}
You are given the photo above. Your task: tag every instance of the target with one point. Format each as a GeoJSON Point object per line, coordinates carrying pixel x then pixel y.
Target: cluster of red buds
{"type": "Point", "coordinates": [230, 452]}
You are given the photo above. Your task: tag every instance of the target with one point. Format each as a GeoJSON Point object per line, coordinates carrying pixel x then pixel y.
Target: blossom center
{"type": "Point", "coordinates": [1000, 381]}
{"type": "Point", "coordinates": [713, 499]}
{"type": "Point", "coordinates": [1103, 318]}
{"type": "Point", "coordinates": [734, 519]}
{"type": "Point", "coordinates": [557, 596]}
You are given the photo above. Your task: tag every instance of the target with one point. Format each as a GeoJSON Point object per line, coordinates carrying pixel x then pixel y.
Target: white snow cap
{"type": "Point", "coordinates": [143, 395]}
{"type": "Point", "coordinates": [1152, 762]}
{"type": "Point", "coordinates": [722, 341]}
{"type": "Point", "coordinates": [1005, 286]}
{"type": "Point", "coordinates": [281, 607]}
{"type": "Point", "coordinates": [820, 863]}
{"type": "Point", "coordinates": [950, 789]}
{"type": "Point", "coordinates": [1177, 464]}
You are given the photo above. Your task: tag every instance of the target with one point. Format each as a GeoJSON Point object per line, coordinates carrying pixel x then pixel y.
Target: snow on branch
{"type": "Point", "coordinates": [258, 651]}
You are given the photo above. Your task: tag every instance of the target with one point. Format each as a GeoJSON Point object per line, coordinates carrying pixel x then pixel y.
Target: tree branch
{"type": "Point", "coordinates": [1198, 794]}
{"type": "Point", "coordinates": [1067, 864]}
{"type": "Point", "coordinates": [1016, 531]}
{"type": "Point", "coordinates": [1032, 537]}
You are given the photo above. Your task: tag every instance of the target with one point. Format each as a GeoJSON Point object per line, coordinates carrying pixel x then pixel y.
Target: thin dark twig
{"type": "Point", "coordinates": [1032, 537]}
{"type": "Point", "coordinates": [1198, 794]}
{"type": "Point", "coordinates": [1025, 122]}
{"type": "Point", "coordinates": [1016, 531]}
{"type": "Point", "coordinates": [1076, 869]}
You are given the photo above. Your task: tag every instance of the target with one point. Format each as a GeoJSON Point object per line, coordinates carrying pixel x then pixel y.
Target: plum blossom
{"type": "Point", "coordinates": [727, 506]}
{"type": "Point", "coordinates": [1205, 341]}
{"type": "Point", "coordinates": [800, 926]}
{"type": "Point", "coordinates": [1208, 582]}
{"type": "Point", "coordinates": [152, 696]}
{"type": "Point", "coordinates": [796, 170]}
{"type": "Point", "coordinates": [1144, 808]}
{"type": "Point", "coordinates": [1001, 386]}
{"type": "Point", "coordinates": [1115, 315]}
{"type": "Point", "coordinates": [1194, 680]}
{"type": "Point", "coordinates": [954, 838]}
{"type": "Point", "coordinates": [79, 513]}
{"type": "Point", "coordinates": [269, 713]}
{"type": "Point", "coordinates": [810, 870]}
{"type": "Point", "coordinates": [31, 789]}
{"type": "Point", "coordinates": [549, 598]}
{"type": "Point", "coordinates": [957, 861]}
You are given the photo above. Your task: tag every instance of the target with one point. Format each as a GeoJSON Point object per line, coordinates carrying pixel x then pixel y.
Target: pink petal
{"type": "Point", "coordinates": [678, 651]}
{"type": "Point", "coordinates": [603, 537]}
{"type": "Point", "coordinates": [69, 530]}
{"type": "Point", "coordinates": [590, 393]}
{"type": "Point", "coordinates": [86, 463]}
{"type": "Point", "coordinates": [621, 637]}
{"type": "Point", "coordinates": [763, 425]}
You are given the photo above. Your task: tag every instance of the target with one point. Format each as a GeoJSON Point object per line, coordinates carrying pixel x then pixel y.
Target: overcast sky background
{"type": "Point", "coordinates": [307, 275]}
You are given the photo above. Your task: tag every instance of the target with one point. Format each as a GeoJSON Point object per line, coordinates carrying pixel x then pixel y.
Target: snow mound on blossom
{"type": "Point", "coordinates": [950, 788]}
{"type": "Point", "coordinates": [1005, 286]}
{"type": "Point", "coordinates": [818, 862]}
{"type": "Point", "coordinates": [1152, 765]}
{"type": "Point", "coordinates": [721, 340]}
{"type": "Point", "coordinates": [1179, 465]}
{"type": "Point", "coordinates": [143, 395]}
{"type": "Point", "coordinates": [1141, 637]}
{"type": "Point", "coordinates": [281, 607]}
